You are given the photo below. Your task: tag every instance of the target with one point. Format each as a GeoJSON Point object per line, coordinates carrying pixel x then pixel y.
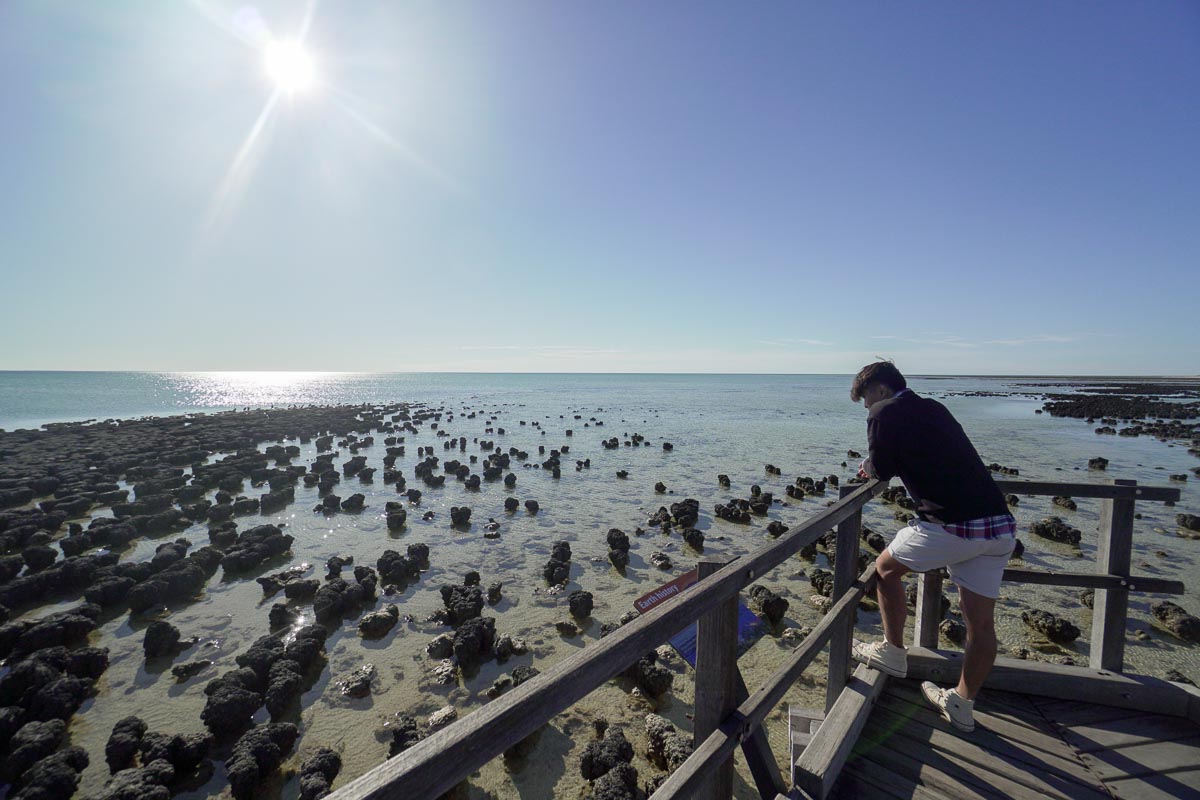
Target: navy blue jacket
{"type": "Point", "coordinates": [920, 441]}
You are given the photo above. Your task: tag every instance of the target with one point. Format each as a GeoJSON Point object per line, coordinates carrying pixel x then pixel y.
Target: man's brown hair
{"type": "Point", "coordinates": [884, 372]}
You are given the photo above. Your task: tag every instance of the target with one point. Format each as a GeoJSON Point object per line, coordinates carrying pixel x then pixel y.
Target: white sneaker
{"type": "Point", "coordinates": [956, 709]}
{"type": "Point", "coordinates": [883, 656]}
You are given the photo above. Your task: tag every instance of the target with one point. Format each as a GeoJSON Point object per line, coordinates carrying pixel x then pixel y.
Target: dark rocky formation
{"type": "Point", "coordinates": [338, 598]}
{"type": "Point", "coordinates": [601, 756]}
{"type": "Point", "coordinates": [143, 783]}
{"type": "Point", "coordinates": [473, 640]}
{"type": "Point", "coordinates": [358, 684]}
{"type": "Point", "coordinates": [873, 540]}
{"type": "Point", "coordinates": [1175, 620]}
{"type": "Point", "coordinates": [378, 623]}
{"type": "Point", "coordinates": [580, 603]}
{"type": "Point", "coordinates": [318, 772]}
{"type": "Point", "coordinates": [769, 604]}
{"type": "Point", "coordinates": [1062, 501]}
{"type": "Point", "coordinates": [183, 753]}
{"type": "Point", "coordinates": [397, 515]}
{"type": "Point", "coordinates": [31, 743]}
{"type": "Point", "coordinates": [558, 568]}
{"type": "Point", "coordinates": [123, 743]}
{"type": "Point", "coordinates": [398, 570]}
{"type": "Point", "coordinates": [954, 631]}
{"type": "Point", "coordinates": [272, 584]}
{"type": "Point", "coordinates": [650, 676]}
{"type": "Point", "coordinates": [822, 582]}
{"type": "Point", "coordinates": [734, 511]}
{"type": "Point", "coordinates": [69, 627]}
{"type": "Point", "coordinates": [162, 639]}
{"type": "Point", "coordinates": [462, 603]}
{"type": "Point", "coordinates": [406, 732]}
{"type": "Point", "coordinates": [1056, 629]}
{"type": "Point", "coordinates": [184, 672]}
{"type": "Point", "coordinates": [259, 752]}
{"type": "Point", "coordinates": [1056, 530]}
{"type": "Point", "coordinates": [1189, 522]}
{"type": "Point", "coordinates": [55, 776]}
{"type": "Point", "coordinates": [255, 546]}
{"type": "Point", "coordinates": [232, 700]}
{"type": "Point", "coordinates": [667, 746]}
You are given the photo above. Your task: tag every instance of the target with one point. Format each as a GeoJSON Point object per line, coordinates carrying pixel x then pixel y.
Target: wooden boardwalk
{"type": "Point", "coordinates": [1022, 747]}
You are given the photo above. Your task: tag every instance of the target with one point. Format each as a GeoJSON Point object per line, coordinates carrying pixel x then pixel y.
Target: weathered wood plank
{"type": "Point", "coordinates": [984, 768]}
{"type": "Point", "coordinates": [1043, 737]}
{"type": "Point", "coordinates": [929, 609]}
{"type": "Point", "coordinates": [1144, 759]}
{"type": "Point", "coordinates": [751, 713]}
{"type": "Point", "coordinates": [1069, 713]}
{"type": "Point", "coordinates": [1193, 695]}
{"type": "Point", "coordinates": [1016, 708]}
{"type": "Point", "coordinates": [862, 778]}
{"type": "Point", "coordinates": [1052, 488]}
{"type": "Point", "coordinates": [845, 569]}
{"type": "Point", "coordinates": [1110, 607]}
{"type": "Point", "coordinates": [879, 765]}
{"type": "Point", "coordinates": [716, 663]}
{"type": "Point", "coordinates": [1140, 729]}
{"type": "Point", "coordinates": [1139, 692]}
{"type": "Point", "coordinates": [1092, 580]}
{"type": "Point", "coordinates": [947, 773]}
{"type": "Point", "coordinates": [818, 766]}
{"type": "Point", "coordinates": [756, 749]}
{"type": "Point", "coordinates": [1061, 764]}
{"type": "Point", "coordinates": [1178, 785]}
{"type": "Point", "coordinates": [802, 724]}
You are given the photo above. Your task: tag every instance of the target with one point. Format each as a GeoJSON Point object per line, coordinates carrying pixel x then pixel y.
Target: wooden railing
{"type": "Point", "coordinates": [726, 714]}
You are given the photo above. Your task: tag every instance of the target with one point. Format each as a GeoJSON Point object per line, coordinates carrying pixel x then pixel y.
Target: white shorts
{"type": "Point", "coordinates": [975, 564]}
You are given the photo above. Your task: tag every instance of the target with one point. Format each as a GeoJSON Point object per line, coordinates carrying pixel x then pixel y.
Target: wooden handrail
{"type": "Point", "coordinates": [438, 763]}
{"type": "Point", "coordinates": [1161, 494]}
{"type": "Point", "coordinates": [1093, 580]}
{"type": "Point", "coordinates": [691, 774]}
{"type": "Point", "coordinates": [444, 759]}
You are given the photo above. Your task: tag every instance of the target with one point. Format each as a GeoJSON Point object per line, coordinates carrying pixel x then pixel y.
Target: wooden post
{"type": "Point", "coordinates": [929, 609]}
{"type": "Point", "coordinates": [757, 752]}
{"type": "Point", "coordinates": [845, 570]}
{"type": "Point", "coordinates": [1110, 605]}
{"type": "Point", "coordinates": [716, 670]}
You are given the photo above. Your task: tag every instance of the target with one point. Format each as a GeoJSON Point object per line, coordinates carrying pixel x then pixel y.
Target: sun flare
{"type": "Point", "coordinates": [288, 66]}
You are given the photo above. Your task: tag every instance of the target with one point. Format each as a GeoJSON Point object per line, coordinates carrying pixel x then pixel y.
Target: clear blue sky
{"type": "Point", "coordinates": [546, 186]}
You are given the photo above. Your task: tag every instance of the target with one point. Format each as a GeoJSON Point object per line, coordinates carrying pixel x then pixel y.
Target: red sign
{"type": "Point", "coordinates": [665, 592]}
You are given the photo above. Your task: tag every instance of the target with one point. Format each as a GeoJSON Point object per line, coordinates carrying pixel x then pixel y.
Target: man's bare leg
{"type": "Point", "coordinates": [889, 591]}
{"type": "Point", "coordinates": [979, 613]}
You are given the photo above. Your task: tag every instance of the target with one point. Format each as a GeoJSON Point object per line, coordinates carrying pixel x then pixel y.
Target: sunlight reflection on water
{"type": "Point", "coordinates": [219, 389]}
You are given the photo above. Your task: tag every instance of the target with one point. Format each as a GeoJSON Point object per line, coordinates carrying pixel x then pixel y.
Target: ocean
{"type": "Point", "coordinates": [731, 424]}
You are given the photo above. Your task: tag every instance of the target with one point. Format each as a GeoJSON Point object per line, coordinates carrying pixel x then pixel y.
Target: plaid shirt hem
{"type": "Point", "coordinates": [985, 527]}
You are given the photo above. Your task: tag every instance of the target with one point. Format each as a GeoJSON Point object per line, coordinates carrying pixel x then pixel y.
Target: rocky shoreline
{"type": "Point", "coordinates": [78, 500]}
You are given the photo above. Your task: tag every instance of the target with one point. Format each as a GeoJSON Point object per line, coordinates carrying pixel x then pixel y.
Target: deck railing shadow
{"type": "Point", "coordinates": [727, 715]}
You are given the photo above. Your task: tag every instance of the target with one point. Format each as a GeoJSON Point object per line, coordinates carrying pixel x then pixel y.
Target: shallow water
{"type": "Point", "coordinates": [718, 424]}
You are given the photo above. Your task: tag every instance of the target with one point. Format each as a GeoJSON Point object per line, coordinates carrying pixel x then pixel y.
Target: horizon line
{"type": "Point", "coordinates": [642, 372]}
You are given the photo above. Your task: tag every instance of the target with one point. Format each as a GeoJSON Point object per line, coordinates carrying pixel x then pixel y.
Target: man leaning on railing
{"type": "Point", "coordinates": [963, 524]}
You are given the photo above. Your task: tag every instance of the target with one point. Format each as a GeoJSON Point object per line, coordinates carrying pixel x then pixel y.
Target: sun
{"type": "Point", "coordinates": [288, 66]}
